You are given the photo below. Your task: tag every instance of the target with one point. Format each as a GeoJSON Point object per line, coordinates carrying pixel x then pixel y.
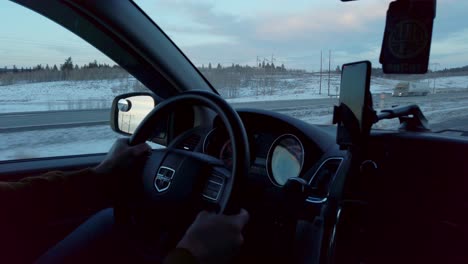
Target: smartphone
{"type": "Point", "coordinates": [355, 102]}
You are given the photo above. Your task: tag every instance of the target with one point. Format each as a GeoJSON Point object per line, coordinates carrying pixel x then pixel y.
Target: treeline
{"type": "Point", "coordinates": [455, 70]}
{"type": "Point", "coordinates": [264, 79]}
{"type": "Point", "coordinates": [64, 72]}
{"type": "Point", "coordinates": [262, 68]}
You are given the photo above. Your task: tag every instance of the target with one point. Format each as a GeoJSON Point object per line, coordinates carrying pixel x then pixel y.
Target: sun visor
{"type": "Point", "coordinates": [407, 37]}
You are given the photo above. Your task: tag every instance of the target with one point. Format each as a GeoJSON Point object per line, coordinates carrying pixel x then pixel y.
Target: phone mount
{"type": "Point", "coordinates": [350, 133]}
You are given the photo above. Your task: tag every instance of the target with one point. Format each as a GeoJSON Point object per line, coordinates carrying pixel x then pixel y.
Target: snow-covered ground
{"type": "Point", "coordinates": [63, 95]}
{"type": "Point", "coordinates": [451, 103]}
{"type": "Point", "coordinates": [73, 95]}
{"type": "Point", "coordinates": [311, 91]}
{"type": "Point", "coordinates": [450, 83]}
{"type": "Point", "coordinates": [58, 142]}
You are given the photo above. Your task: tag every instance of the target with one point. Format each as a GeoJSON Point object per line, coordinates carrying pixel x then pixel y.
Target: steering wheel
{"type": "Point", "coordinates": [174, 184]}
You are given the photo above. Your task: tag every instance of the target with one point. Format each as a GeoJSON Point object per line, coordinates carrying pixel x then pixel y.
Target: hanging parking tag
{"type": "Point", "coordinates": [407, 38]}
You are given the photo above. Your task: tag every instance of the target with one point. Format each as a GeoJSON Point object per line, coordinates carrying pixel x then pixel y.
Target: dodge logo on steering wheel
{"type": "Point", "coordinates": [163, 178]}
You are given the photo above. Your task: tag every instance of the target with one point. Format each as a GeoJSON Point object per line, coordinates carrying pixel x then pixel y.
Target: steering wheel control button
{"type": "Point", "coordinates": [211, 195]}
{"type": "Point", "coordinates": [213, 188]}
{"type": "Point", "coordinates": [216, 179]}
{"type": "Point", "coordinates": [163, 178]}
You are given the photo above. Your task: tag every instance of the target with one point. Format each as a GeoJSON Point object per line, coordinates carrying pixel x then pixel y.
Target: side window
{"type": "Point", "coordinates": [56, 90]}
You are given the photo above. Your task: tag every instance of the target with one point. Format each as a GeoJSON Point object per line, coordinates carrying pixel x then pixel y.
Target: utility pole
{"type": "Point", "coordinates": [435, 76]}
{"type": "Point", "coordinates": [320, 87]}
{"type": "Point", "coordinates": [329, 68]}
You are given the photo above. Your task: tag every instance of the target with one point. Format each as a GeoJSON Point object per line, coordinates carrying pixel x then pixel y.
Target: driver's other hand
{"type": "Point", "coordinates": [215, 238]}
{"type": "Point", "coordinates": [121, 156]}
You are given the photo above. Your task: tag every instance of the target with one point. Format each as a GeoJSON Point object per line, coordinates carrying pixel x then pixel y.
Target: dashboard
{"type": "Point", "coordinates": [280, 157]}
{"type": "Point", "coordinates": [416, 187]}
{"type": "Point", "coordinates": [280, 147]}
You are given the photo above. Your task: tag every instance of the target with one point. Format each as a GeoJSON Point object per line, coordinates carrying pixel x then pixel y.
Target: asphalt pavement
{"type": "Point", "coordinates": [24, 121]}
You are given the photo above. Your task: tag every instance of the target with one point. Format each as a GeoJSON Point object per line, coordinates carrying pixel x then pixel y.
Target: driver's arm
{"type": "Point", "coordinates": [34, 201]}
{"type": "Point", "coordinates": [51, 195]}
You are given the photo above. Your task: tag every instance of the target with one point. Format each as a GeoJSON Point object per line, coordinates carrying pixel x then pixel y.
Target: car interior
{"type": "Point", "coordinates": [383, 196]}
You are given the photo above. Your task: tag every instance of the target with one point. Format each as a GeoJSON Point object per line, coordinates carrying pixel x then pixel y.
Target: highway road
{"type": "Point", "coordinates": [26, 121]}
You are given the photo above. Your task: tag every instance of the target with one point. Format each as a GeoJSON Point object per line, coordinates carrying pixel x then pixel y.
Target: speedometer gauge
{"type": "Point", "coordinates": [285, 159]}
{"type": "Point", "coordinates": [217, 144]}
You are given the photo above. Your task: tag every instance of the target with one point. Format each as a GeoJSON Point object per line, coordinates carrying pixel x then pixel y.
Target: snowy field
{"type": "Point", "coordinates": [64, 95]}
{"type": "Point", "coordinates": [307, 87]}
{"type": "Point", "coordinates": [58, 142]}
{"type": "Point", "coordinates": [450, 101]}
{"type": "Point", "coordinates": [76, 95]}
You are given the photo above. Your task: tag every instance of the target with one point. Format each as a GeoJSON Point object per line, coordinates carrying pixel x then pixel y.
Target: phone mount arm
{"type": "Point", "coordinates": [411, 118]}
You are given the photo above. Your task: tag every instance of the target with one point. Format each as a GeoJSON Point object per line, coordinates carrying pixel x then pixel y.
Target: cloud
{"type": "Point", "coordinates": [207, 32]}
{"type": "Point", "coordinates": [451, 50]}
{"type": "Point", "coordinates": [314, 21]}
{"type": "Point", "coordinates": [454, 43]}
{"type": "Point", "coordinates": [202, 16]}
{"type": "Point", "coordinates": [273, 26]}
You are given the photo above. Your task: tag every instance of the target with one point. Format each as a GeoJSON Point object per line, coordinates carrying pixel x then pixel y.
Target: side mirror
{"type": "Point", "coordinates": [128, 110]}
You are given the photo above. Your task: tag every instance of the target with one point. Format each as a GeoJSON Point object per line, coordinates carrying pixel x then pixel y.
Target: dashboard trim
{"type": "Point", "coordinates": [322, 200]}
{"type": "Point", "coordinates": [269, 152]}
{"type": "Point", "coordinates": [315, 200]}
{"type": "Point", "coordinates": [204, 140]}
{"type": "Point", "coordinates": [323, 163]}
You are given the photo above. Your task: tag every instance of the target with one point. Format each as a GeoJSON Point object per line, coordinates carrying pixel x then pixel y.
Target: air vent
{"type": "Point", "coordinates": [325, 173]}
{"type": "Point", "coordinates": [189, 143]}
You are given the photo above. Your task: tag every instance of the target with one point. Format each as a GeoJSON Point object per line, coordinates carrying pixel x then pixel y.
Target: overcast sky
{"type": "Point", "coordinates": [294, 32]}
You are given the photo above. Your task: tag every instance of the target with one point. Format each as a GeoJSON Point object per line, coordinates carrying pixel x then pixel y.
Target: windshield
{"type": "Point", "coordinates": [286, 56]}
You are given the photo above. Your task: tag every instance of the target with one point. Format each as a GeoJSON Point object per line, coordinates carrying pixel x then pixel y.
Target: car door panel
{"type": "Point", "coordinates": [16, 170]}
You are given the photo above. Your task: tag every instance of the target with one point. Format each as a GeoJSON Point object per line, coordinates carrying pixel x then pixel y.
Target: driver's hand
{"type": "Point", "coordinates": [215, 238]}
{"type": "Point", "coordinates": [121, 157]}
